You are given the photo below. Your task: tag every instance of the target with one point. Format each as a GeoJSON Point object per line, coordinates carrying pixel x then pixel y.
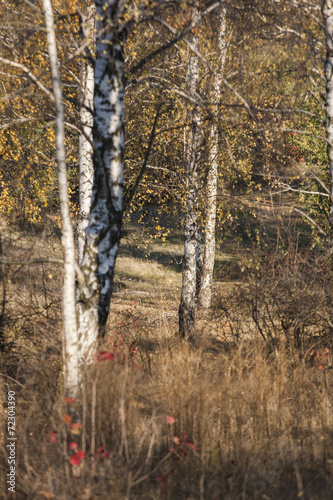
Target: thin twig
{"type": "Point", "coordinates": [145, 161]}
{"type": "Point", "coordinates": [178, 37]}
{"type": "Point", "coordinates": [31, 75]}
{"type": "Point", "coordinates": [17, 122]}
{"type": "Point", "coordinates": [138, 481]}
{"type": "Point", "coordinates": [93, 415]}
{"type": "Point", "coordinates": [124, 442]}
{"type": "Point", "coordinates": [42, 260]}
{"type": "Point", "coordinates": [7, 376]}
{"type": "Point", "coordinates": [151, 445]}
{"type": "Point", "coordinates": [310, 220]}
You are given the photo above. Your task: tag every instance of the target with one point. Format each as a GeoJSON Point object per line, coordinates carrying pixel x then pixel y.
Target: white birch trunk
{"type": "Point", "coordinates": [86, 167]}
{"type": "Point", "coordinates": [205, 296]}
{"type": "Point", "coordinates": [68, 292]}
{"type": "Point", "coordinates": [327, 10]}
{"type": "Point", "coordinates": [188, 291]}
{"type": "Point", "coordinates": [103, 231]}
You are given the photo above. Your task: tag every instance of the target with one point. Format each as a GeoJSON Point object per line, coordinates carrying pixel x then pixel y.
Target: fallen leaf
{"type": "Point", "coordinates": [53, 436]}
{"type": "Point", "coordinates": [170, 419]}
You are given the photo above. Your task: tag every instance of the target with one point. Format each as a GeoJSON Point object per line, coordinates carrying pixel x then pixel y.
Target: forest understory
{"type": "Point", "coordinates": [242, 412]}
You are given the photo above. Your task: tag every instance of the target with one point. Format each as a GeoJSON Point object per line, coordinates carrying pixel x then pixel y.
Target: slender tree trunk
{"type": "Point", "coordinates": [103, 231]}
{"type": "Point", "coordinates": [211, 186]}
{"type": "Point", "coordinates": [188, 292]}
{"type": "Point", "coordinates": [327, 10]}
{"type": "Point", "coordinates": [86, 168]}
{"type": "Point", "coordinates": [68, 292]}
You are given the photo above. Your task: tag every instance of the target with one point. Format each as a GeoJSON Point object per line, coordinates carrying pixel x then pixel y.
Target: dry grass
{"type": "Point", "coordinates": [248, 424]}
{"type": "Point", "coordinates": [141, 269]}
{"type": "Point", "coordinates": [249, 420]}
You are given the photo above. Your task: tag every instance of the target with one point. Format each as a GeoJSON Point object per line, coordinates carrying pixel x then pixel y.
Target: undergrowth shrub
{"type": "Point", "coordinates": [281, 296]}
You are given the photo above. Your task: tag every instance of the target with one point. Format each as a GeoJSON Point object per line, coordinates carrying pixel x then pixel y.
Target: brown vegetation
{"type": "Point", "coordinates": [243, 412]}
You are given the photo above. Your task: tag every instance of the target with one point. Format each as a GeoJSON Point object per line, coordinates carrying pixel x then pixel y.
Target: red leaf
{"type": "Point", "coordinates": [191, 445]}
{"type": "Point", "coordinates": [73, 446]}
{"type": "Point", "coordinates": [169, 419]}
{"type": "Point", "coordinates": [77, 458]}
{"type": "Point", "coordinates": [74, 460]}
{"type": "Point", "coordinates": [106, 454]}
{"type": "Point", "coordinates": [104, 356]}
{"type": "Point", "coordinates": [53, 436]}
{"type": "Point", "coordinates": [67, 419]}
{"type": "Point", "coordinates": [70, 401]}
{"type": "Point", "coordinates": [100, 449]}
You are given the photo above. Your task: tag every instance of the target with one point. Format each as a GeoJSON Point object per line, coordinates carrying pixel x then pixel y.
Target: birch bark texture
{"type": "Point", "coordinates": [205, 296]}
{"type": "Point", "coordinates": [86, 167]}
{"type": "Point", "coordinates": [192, 155]}
{"type": "Point", "coordinates": [67, 236]}
{"type": "Point", "coordinates": [104, 227]}
{"type": "Point", "coordinates": [327, 10]}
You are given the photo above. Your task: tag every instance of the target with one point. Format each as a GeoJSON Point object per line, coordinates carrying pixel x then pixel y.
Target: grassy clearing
{"type": "Point", "coordinates": [230, 416]}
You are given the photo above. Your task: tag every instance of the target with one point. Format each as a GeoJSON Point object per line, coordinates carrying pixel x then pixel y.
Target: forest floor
{"type": "Point", "coordinates": [229, 416]}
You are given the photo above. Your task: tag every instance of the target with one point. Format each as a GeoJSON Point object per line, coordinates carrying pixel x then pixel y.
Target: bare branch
{"type": "Point", "coordinates": [17, 122]}
{"type": "Point", "coordinates": [42, 260]}
{"type": "Point", "coordinates": [290, 110]}
{"type": "Point", "coordinates": [289, 188]}
{"type": "Point", "coordinates": [178, 37]}
{"type": "Point", "coordinates": [174, 174]}
{"type": "Point", "coordinates": [30, 75]}
{"type": "Point", "coordinates": [296, 131]}
{"type": "Point", "coordinates": [209, 66]}
{"type": "Point", "coordinates": [320, 182]}
{"type": "Point", "coordinates": [310, 219]}
{"type": "Point", "coordinates": [32, 5]}
{"type": "Point", "coordinates": [145, 161]}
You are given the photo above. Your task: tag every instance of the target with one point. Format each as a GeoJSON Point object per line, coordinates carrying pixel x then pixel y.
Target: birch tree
{"type": "Point", "coordinates": [192, 153]}
{"type": "Point", "coordinates": [85, 322]}
{"type": "Point", "coordinates": [86, 168]}
{"type": "Point", "coordinates": [327, 10]}
{"type": "Point", "coordinates": [95, 279]}
{"type": "Point", "coordinates": [211, 186]}
{"type": "Point", "coordinates": [68, 290]}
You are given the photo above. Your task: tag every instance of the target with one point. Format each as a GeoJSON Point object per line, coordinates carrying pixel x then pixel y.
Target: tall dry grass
{"type": "Point", "coordinates": [200, 421]}
{"type": "Point", "coordinates": [230, 416]}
